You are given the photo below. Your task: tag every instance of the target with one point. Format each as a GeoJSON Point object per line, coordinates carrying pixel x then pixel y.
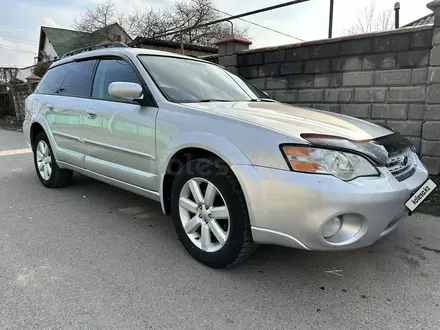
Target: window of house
{"type": "Point", "coordinates": [109, 71]}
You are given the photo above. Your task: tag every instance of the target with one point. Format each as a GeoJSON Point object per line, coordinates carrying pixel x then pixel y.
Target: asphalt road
{"type": "Point", "coordinates": [91, 256]}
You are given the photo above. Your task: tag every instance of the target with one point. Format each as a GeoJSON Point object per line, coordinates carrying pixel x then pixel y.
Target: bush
{"type": "Point", "coordinates": [41, 68]}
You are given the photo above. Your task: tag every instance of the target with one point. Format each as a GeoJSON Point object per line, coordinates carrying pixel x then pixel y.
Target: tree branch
{"type": "Point", "coordinates": [370, 21]}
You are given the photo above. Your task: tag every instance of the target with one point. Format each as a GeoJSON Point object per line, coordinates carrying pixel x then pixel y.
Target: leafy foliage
{"type": "Point", "coordinates": [41, 68]}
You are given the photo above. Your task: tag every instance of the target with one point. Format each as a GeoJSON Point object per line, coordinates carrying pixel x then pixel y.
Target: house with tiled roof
{"type": "Point", "coordinates": [425, 20]}
{"type": "Point", "coordinates": [33, 78]}
{"type": "Point", "coordinates": [55, 42]}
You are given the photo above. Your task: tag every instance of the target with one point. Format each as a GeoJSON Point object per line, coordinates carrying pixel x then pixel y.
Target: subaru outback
{"type": "Point", "coordinates": [233, 167]}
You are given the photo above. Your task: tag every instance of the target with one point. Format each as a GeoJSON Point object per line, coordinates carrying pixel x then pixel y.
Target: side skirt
{"type": "Point", "coordinates": [154, 195]}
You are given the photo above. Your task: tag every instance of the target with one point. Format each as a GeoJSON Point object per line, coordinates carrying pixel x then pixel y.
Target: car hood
{"type": "Point", "coordinates": [294, 121]}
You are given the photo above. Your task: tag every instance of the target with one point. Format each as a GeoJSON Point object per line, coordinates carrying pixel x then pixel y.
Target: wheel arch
{"type": "Point", "coordinates": [186, 152]}
{"type": "Point", "coordinates": [35, 129]}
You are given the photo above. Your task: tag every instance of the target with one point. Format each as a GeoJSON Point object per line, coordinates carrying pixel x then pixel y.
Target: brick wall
{"type": "Point", "coordinates": [210, 58]}
{"type": "Point", "coordinates": [390, 77]}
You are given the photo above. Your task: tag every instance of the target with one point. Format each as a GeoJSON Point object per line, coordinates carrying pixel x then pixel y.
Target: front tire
{"type": "Point", "coordinates": [48, 172]}
{"type": "Point", "coordinates": [210, 214]}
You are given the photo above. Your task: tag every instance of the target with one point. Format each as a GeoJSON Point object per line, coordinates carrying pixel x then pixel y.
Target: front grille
{"type": "Point", "coordinates": [401, 164]}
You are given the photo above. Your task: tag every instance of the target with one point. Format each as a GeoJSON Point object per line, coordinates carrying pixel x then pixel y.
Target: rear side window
{"type": "Point", "coordinates": [51, 82]}
{"type": "Point", "coordinates": [78, 80]}
{"type": "Point", "coordinates": [112, 70]}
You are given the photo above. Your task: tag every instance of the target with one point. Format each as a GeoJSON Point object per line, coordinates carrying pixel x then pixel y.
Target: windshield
{"type": "Point", "coordinates": [186, 80]}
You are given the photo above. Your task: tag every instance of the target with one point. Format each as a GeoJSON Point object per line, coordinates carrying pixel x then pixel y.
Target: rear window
{"type": "Point", "coordinates": [51, 81]}
{"type": "Point", "coordinates": [71, 79]}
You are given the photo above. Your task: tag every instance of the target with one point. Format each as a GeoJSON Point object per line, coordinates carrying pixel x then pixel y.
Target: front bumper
{"type": "Point", "coordinates": [290, 208]}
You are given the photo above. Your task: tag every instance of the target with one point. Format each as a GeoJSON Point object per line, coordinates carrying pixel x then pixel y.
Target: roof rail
{"type": "Point", "coordinates": [94, 47]}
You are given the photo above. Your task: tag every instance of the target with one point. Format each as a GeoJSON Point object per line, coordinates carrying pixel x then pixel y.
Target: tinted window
{"type": "Point", "coordinates": [51, 81]}
{"type": "Point", "coordinates": [112, 70]}
{"type": "Point", "coordinates": [184, 80]}
{"type": "Point", "coordinates": [78, 79]}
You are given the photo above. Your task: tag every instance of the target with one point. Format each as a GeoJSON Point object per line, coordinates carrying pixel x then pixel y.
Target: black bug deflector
{"type": "Point", "coordinates": [377, 150]}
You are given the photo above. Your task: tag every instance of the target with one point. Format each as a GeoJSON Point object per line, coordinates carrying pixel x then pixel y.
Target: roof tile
{"type": "Point", "coordinates": [425, 20]}
{"type": "Point", "coordinates": [233, 37]}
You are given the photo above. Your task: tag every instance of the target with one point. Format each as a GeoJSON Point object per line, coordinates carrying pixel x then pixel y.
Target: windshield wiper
{"type": "Point", "coordinates": [214, 100]}
{"type": "Point", "coordinates": [220, 100]}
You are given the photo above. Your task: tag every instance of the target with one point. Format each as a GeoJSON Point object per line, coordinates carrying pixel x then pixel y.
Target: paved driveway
{"type": "Point", "coordinates": [90, 256]}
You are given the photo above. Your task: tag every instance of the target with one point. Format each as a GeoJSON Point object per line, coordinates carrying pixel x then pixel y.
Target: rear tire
{"type": "Point", "coordinates": [48, 172]}
{"type": "Point", "coordinates": [230, 239]}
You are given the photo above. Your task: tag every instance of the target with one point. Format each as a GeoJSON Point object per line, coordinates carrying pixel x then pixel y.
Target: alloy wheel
{"type": "Point", "coordinates": [204, 214]}
{"type": "Point", "coordinates": [44, 160]}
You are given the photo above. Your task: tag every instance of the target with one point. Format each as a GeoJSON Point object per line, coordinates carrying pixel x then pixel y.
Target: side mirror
{"type": "Point", "coordinates": [125, 91]}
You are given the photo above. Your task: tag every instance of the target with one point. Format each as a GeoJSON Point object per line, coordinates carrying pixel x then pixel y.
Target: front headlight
{"type": "Point", "coordinates": [343, 165]}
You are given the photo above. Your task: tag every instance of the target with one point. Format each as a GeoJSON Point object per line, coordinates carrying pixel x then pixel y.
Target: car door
{"type": "Point", "coordinates": [67, 105]}
{"type": "Point", "coordinates": [50, 104]}
{"type": "Point", "coordinates": [119, 136]}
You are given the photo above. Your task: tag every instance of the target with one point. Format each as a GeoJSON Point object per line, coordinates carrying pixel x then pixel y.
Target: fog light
{"type": "Point", "coordinates": [331, 227]}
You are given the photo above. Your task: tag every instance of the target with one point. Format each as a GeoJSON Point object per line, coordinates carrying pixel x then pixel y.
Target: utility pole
{"type": "Point", "coordinates": [330, 21]}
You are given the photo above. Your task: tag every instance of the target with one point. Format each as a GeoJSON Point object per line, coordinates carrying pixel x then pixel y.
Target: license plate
{"type": "Point", "coordinates": [425, 190]}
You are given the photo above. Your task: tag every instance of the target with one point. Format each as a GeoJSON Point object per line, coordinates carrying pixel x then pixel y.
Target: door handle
{"type": "Point", "coordinates": [50, 107]}
{"type": "Point", "coordinates": [91, 114]}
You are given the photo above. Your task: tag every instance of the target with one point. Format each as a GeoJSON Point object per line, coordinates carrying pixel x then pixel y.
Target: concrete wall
{"type": "Point", "coordinates": [390, 77]}
{"type": "Point", "coordinates": [431, 118]}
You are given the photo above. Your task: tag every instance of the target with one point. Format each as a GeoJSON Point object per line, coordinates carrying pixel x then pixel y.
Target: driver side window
{"type": "Point", "coordinates": [109, 71]}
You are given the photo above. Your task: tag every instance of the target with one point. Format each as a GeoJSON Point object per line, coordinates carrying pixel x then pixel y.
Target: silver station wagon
{"type": "Point", "coordinates": [234, 168]}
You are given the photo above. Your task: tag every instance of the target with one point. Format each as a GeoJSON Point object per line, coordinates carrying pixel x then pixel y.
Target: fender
{"type": "Point", "coordinates": [218, 145]}
{"type": "Point", "coordinates": [38, 118]}
{"type": "Point", "coordinates": [57, 151]}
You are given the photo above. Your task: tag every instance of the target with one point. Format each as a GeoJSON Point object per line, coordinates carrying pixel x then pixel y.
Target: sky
{"type": "Point", "coordinates": [20, 20]}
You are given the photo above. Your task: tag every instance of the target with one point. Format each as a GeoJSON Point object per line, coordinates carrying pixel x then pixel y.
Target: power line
{"type": "Point", "coordinates": [257, 11]}
{"type": "Point", "coordinates": [18, 38]}
{"type": "Point", "coordinates": [16, 49]}
{"type": "Point", "coordinates": [256, 24]}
